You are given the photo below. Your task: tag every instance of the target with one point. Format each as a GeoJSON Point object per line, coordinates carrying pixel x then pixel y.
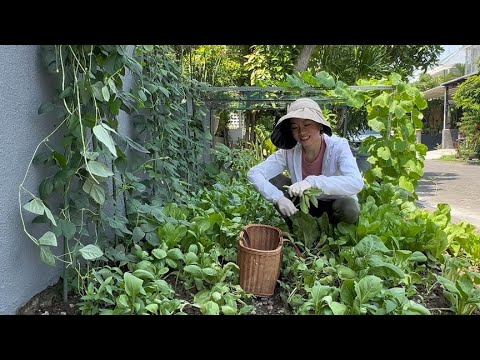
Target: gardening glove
{"type": "Point", "coordinates": [286, 206]}
{"type": "Point", "coordinates": [298, 188]}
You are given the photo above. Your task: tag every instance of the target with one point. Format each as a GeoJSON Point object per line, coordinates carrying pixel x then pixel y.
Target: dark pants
{"type": "Point", "coordinates": [344, 209]}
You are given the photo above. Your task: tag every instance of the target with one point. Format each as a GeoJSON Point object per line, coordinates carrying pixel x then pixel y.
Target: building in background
{"type": "Point", "coordinates": [444, 115]}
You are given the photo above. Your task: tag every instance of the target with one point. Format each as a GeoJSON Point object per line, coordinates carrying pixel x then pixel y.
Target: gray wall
{"type": "Point", "coordinates": [24, 85]}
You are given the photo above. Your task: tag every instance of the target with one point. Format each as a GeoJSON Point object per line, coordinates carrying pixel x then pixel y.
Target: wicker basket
{"type": "Point", "coordinates": [259, 258]}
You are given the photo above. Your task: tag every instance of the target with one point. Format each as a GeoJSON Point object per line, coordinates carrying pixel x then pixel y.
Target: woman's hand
{"type": "Point", "coordinates": [286, 206]}
{"type": "Point", "coordinates": [298, 188]}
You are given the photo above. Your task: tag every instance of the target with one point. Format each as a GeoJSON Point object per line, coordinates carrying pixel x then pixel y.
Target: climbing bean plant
{"type": "Point", "coordinates": [99, 171]}
{"type": "Point", "coordinates": [396, 158]}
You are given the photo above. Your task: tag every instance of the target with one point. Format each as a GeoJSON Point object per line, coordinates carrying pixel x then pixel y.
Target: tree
{"type": "Point", "coordinates": [217, 65]}
{"type": "Point", "coordinates": [303, 58]}
{"type": "Point", "coordinates": [468, 98]}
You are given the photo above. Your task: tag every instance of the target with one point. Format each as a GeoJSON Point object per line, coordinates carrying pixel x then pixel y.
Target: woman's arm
{"type": "Point", "coordinates": [260, 174]}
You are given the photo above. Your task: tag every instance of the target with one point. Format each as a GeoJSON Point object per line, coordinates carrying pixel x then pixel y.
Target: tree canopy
{"type": "Point", "coordinates": [228, 65]}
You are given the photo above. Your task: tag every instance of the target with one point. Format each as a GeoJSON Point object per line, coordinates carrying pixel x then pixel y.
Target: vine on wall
{"type": "Point", "coordinates": [102, 174]}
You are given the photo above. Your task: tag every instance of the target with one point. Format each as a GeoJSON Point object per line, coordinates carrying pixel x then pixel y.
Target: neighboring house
{"type": "Point", "coordinates": [444, 117]}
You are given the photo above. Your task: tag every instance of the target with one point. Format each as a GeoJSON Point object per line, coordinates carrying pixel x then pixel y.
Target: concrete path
{"type": "Point", "coordinates": [437, 154]}
{"type": "Point", "coordinates": [455, 183]}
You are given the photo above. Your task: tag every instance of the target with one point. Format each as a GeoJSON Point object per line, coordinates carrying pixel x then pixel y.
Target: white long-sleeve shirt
{"type": "Point", "coordinates": [340, 175]}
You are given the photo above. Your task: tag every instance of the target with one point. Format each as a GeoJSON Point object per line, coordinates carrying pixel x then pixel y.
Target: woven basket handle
{"type": "Point", "coordinates": [244, 236]}
{"type": "Point", "coordinates": [290, 240]}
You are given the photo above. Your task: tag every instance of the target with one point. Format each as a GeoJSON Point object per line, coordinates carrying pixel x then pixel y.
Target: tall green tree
{"type": "Point", "coordinates": [468, 98]}
{"type": "Point", "coordinates": [217, 65]}
{"type": "Point", "coordinates": [348, 63]}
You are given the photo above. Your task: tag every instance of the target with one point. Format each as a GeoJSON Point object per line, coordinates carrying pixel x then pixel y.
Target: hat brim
{"type": "Point", "coordinates": [282, 134]}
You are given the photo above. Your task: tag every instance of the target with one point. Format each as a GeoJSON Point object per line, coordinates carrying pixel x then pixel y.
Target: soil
{"type": "Point", "coordinates": [49, 302]}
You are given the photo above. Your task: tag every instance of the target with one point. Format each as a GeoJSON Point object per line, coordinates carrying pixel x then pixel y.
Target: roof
{"type": "Point", "coordinates": [438, 92]}
{"type": "Point", "coordinates": [459, 79]}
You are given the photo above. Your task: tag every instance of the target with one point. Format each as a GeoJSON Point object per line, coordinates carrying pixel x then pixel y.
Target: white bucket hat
{"type": "Point", "coordinates": [303, 108]}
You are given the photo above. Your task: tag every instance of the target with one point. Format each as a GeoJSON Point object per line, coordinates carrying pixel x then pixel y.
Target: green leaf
{"type": "Point", "coordinates": [144, 274]}
{"type": "Point", "coordinates": [138, 235]}
{"type": "Point", "coordinates": [106, 127]}
{"type": "Point", "coordinates": [175, 254]}
{"type": "Point", "coordinates": [134, 66]}
{"type": "Point", "coordinates": [163, 271]}
{"type": "Point", "coordinates": [91, 252]}
{"type": "Point", "coordinates": [146, 265]}
{"type": "Point", "coordinates": [136, 146]}
{"type": "Point", "coordinates": [96, 191]}
{"type": "Point", "coordinates": [210, 308]}
{"type": "Point", "coordinates": [191, 258]}
{"type": "Point", "coordinates": [97, 90]}
{"type": "Point", "coordinates": [152, 238]}
{"type": "Point", "coordinates": [399, 111]}
{"type": "Point", "coordinates": [370, 245]}
{"type": "Point", "coordinates": [171, 263]}
{"type": "Point", "coordinates": [153, 308]}
{"type": "Point", "coordinates": [115, 106]}
{"type": "Point", "coordinates": [368, 287]}
{"type": "Point", "coordinates": [209, 271]}
{"type": "Point", "coordinates": [50, 216]}
{"type": "Point", "coordinates": [338, 308]}
{"type": "Point", "coordinates": [133, 285]}
{"type": "Point", "coordinates": [383, 100]}
{"type": "Point", "coordinates": [418, 256]}
{"type": "Point", "coordinates": [448, 284]}
{"type": "Point", "coordinates": [48, 239]}
{"type": "Point", "coordinates": [376, 125]}
{"type": "Point", "coordinates": [159, 253]}
{"type": "Point", "coordinates": [113, 90]}
{"type": "Point", "coordinates": [113, 63]}
{"type": "Point", "coordinates": [47, 256]}
{"type": "Point", "coordinates": [416, 309]}
{"type": "Point", "coordinates": [357, 100]}
{"type": "Point", "coordinates": [163, 287]}
{"type": "Point", "coordinates": [68, 228]}
{"type": "Point", "coordinates": [387, 270]}
{"type": "Point", "coordinates": [406, 184]}
{"type": "Point", "coordinates": [395, 78]}
{"type": "Point", "coordinates": [421, 102]}
{"type": "Point", "coordinates": [35, 206]}
{"type": "Point", "coordinates": [45, 188]}
{"type": "Point", "coordinates": [141, 95]}
{"type": "Point", "coordinates": [164, 91]}
{"type": "Point", "coordinates": [195, 270]}
{"type": "Point", "coordinates": [89, 120]}
{"type": "Point", "coordinates": [105, 93]}
{"type": "Point", "coordinates": [104, 137]}
{"type": "Point", "coordinates": [59, 159]}
{"type": "Point", "coordinates": [98, 168]}
{"type": "Point", "coordinates": [228, 310]}
{"type": "Point", "coordinates": [345, 273]}
{"type": "Point", "coordinates": [384, 153]}
{"type": "Point", "coordinates": [325, 79]}
{"type": "Point", "coordinates": [122, 301]}
{"type": "Point", "coordinates": [377, 172]}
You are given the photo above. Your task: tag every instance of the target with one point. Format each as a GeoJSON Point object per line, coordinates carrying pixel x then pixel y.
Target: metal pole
{"type": "Point", "coordinates": [445, 108]}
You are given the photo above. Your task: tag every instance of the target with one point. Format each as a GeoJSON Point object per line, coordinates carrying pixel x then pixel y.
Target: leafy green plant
{"type": "Point", "coordinates": [462, 293]}
{"type": "Point", "coordinates": [222, 299]}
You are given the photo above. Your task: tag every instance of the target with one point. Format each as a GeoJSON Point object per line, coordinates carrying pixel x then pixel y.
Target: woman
{"type": "Point", "coordinates": [314, 158]}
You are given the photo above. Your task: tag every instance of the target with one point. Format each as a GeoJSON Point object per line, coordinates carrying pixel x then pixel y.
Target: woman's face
{"type": "Point", "coordinates": [305, 131]}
